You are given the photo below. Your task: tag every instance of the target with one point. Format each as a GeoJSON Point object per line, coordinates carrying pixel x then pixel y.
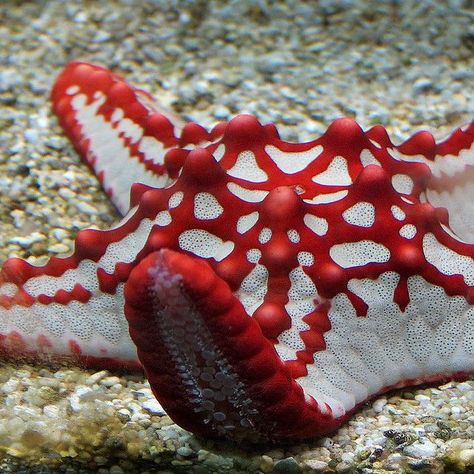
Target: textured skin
{"type": "Point", "coordinates": [270, 288]}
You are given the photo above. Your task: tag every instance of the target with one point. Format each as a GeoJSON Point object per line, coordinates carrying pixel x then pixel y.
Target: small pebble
{"type": "Point", "coordinates": [154, 407]}
{"type": "Point", "coordinates": [420, 449]}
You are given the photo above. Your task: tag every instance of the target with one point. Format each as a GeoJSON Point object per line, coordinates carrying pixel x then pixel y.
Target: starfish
{"type": "Point", "coordinates": [267, 288]}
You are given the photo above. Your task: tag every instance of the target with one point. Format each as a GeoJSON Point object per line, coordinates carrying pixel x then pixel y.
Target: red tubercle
{"type": "Point", "coordinates": [282, 204]}
{"type": "Point", "coordinates": [103, 80]}
{"type": "Point", "coordinates": [159, 126]}
{"type": "Point", "coordinates": [372, 181]}
{"type": "Point", "coordinates": [318, 320]}
{"type": "Point", "coordinates": [137, 191]}
{"type": "Point", "coordinates": [345, 136]}
{"type": "Point", "coordinates": [44, 344]}
{"type": "Point", "coordinates": [330, 279]}
{"type": "Point", "coordinates": [457, 141]}
{"type": "Point", "coordinates": [17, 271]}
{"type": "Point", "coordinates": [151, 202]}
{"type": "Point", "coordinates": [218, 130]}
{"type": "Point", "coordinates": [122, 270]}
{"type": "Point", "coordinates": [136, 112]}
{"type": "Point", "coordinates": [409, 259]}
{"type": "Point", "coordinates": [201, 168]}
{"type": "Point", "coordinates": [306, 356]}
{"type": "Point", "coordinates": [278, 257]}
{"type": "Point", "coordinates": [271, 131]}
{"type": "Point", "coordinates": [157, 240]}
{"type": "Point", "coordinates": [61, 297]}
{"type": "Point", "coordinates": [233, 270]}
{"type": "Point", "coordinates": [421, 143]}
{"type": "Point", "coordinates": [193, 134]}
{"type": "Point", "coordinates": [122, 94]}
{"type": "Point", "coordinates": [21, 298]}
{"type": "Point", "coordinates": [90, 244]}
{"type": "Point", "coordinates": [243, 132]}
{"type": "Point", "coordinates": [272, 319]}
{"type": "Point", "coordinates": [45, 299]}
{"type": "Point", "coordinates": [379, 134]}
{"type": "Point", "coordinates": [427, 215]}
{"type": "Point", "coordinates": [174, 160]}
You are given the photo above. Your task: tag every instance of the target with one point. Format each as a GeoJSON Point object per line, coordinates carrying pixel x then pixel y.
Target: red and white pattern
{"type": "Point", "coordinates": [270, 288]}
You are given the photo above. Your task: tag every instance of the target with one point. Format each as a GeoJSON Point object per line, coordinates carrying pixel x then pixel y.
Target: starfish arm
{"type": "Point", "coordinates": [207, 360]}
{"type": "Point", "coordinates": [118, 130]}
{"type": "Point", "coordinates": [72, 308]}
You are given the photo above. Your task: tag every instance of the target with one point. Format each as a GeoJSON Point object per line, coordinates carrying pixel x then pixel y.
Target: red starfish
{"type": "Point", "coordinates": [270, 288]}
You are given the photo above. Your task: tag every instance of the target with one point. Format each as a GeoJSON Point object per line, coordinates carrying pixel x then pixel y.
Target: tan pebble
{"type": "Point", "coordinates": [467, 456]}
{"type": "Point", "coordinates": [316, 464]}
{"type": "Point", "coordinates": [266, 464]}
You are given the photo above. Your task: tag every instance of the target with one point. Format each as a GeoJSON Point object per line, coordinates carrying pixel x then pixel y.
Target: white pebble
{"type": "Point", "coordinates": [379, 404]}
{"type": "Point", "coordinates": [424, 449]}
{"type": "Point", "coordinates": [153, 407]}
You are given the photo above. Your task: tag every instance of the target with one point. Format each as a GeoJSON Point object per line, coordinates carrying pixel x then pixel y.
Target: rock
{"type": "Point", "coordinates": [184, 451]}
{"type": "Point", "coordinates": [153, 406]}
{"type": "Point", "coordinates": [467, 456]}
{"type": "Point", "coordinates": [425, 449]}
{"type": "Point", "coordinates": [379, 404]}
{"type": "Point", "coordinates": [287, 466]}
{"type": "Point", "coordinates": [316, 465]}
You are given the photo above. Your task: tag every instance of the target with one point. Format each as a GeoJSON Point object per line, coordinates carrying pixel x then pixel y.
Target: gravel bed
{"type": "Point", "coordinates": [408, 65]}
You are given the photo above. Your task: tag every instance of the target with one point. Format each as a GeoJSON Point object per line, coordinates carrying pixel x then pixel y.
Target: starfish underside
{"type": "Point", "coordinates": [269, 288]}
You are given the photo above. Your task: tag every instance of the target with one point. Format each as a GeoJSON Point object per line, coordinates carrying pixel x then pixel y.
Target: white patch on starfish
{"type": "Point", "coordinates": [293, 162]}
{"type": "Point", "coordinates": [402, 183]}
{"type": "Point", "coordinates": [245, 223]}
{"type": "Point", "coordinates": [247, 195]}
{"type": "Point", "coordinates": [408, 231]}
{"type": "Point", "coordinates": [204, 244]}
{"type": "Point", "coordinates": [336, 174]}
{"type": "Point", "coordinates": [357, 254]}
{"type": "Point", "coordinates": [318, 225]}
{"type": "Point", "coordinates": [206, 206]}
{"type": "Point", "coordinates": [361, 214]}
{"type": "Point", "coordinates": [246, 167]}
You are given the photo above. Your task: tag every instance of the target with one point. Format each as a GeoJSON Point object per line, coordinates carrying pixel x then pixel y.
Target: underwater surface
{"type": "Point", "coordinates": [406, 65]}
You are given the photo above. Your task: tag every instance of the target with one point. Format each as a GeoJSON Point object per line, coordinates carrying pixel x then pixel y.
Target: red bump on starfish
{"type": "Point", "coordinates": [200, 168]}
{"type": "Point", "coordinates": [193, 134]}
{"type": "Point", "coordinates": [159, 126]}
{"type": "Point", "coordinates": [267, 288]}
{"type": "Point", "coordinates": [243, 131]}
{"type": "Point", "coordinates": [422, 143]}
